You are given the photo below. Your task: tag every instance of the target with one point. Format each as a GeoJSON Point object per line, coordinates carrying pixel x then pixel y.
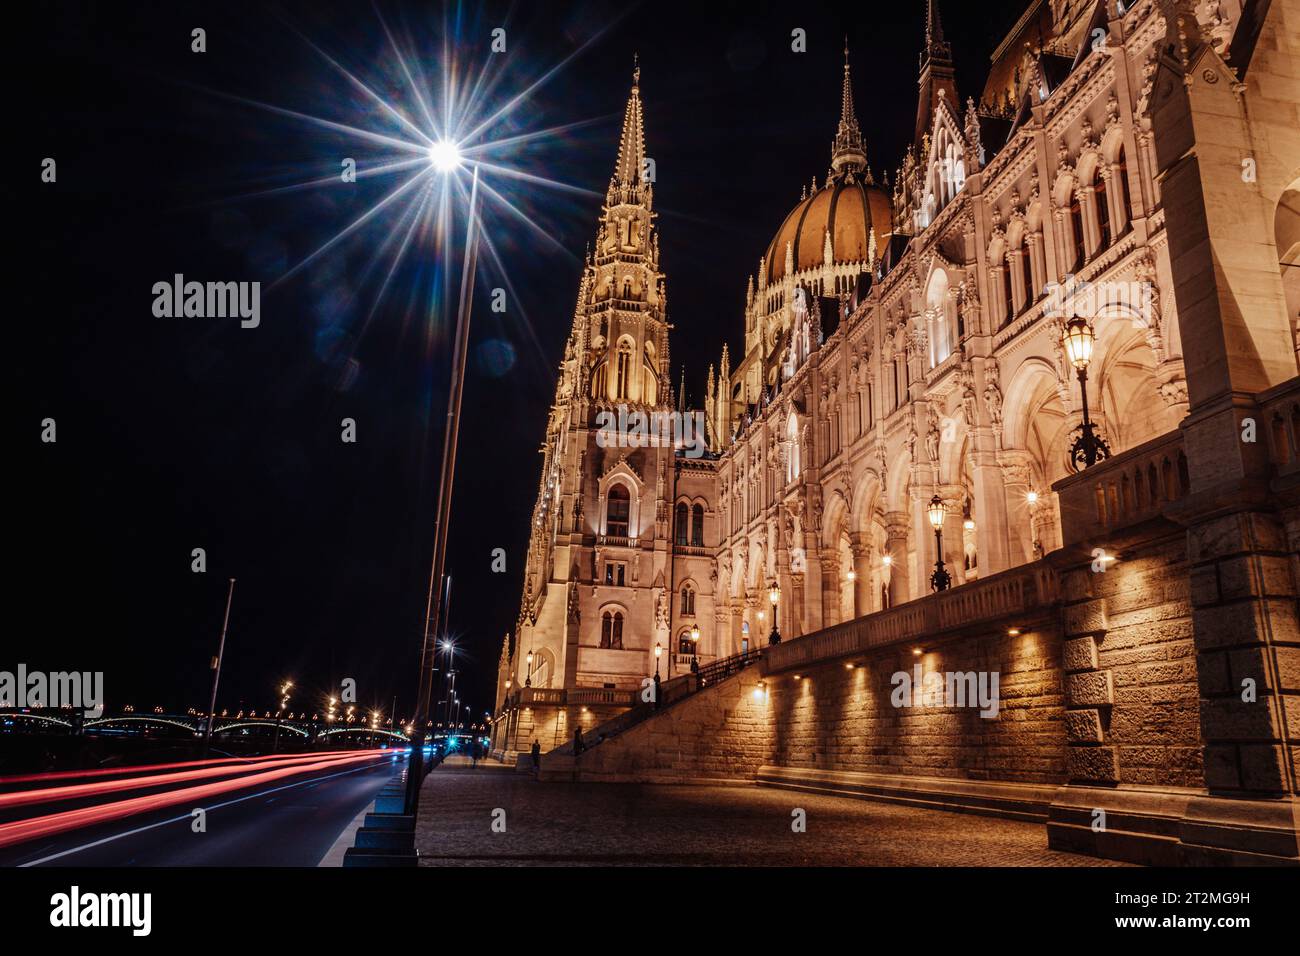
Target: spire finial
{"type": "Point", "coordinates": [631, 147]}
{"type": "Point", "coordinates": [848, 151]}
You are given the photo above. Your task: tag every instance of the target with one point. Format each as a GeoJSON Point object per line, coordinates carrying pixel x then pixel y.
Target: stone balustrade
{"type": "Point", "coordinates": [1026, 590]}
{"type": "Point", "coordinates": [1123, 491]}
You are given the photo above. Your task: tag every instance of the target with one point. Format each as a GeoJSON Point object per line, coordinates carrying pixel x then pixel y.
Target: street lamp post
{"type": "Point", "coordinates": [216, 670]}
{"type": "Point", "coordinates": [415, 768]}
{"type": "Point", "coordinates": [695, 648]}
{"type": "Point", "coordinates": [774, 594]}
{"type": "Point", "coordinates": [1088, 448]}
{"type": "Point", "coordinates": [528, 680]}
{"type": "Point", "coordinates": [940, 580]}
{"type": "Point", "coordinates": [659, 649]}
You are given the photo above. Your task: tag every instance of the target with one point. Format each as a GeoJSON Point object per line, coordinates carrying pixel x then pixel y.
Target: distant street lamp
{"type": "Point", "coordinates": [279, 714]}
{"type": "Point", "coordinates": [774, 594]}
{"type": "Point", "coordinates": [659, 649]}
{"type": "Point", "coordinates": [940, 580]}
{"type": "Point", "coordinates": [528, 681]}
{"type": "Point", "coordinates": [1087, 449]}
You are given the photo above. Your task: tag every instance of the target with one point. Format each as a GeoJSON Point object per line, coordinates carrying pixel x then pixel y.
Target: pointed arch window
{"type": "Point", "coordinates": [1120, 178]}
{"type": "Point", "coordinates": [697, 526]}
{"type": "Point", "coordinates": [611, 630]}
{"type": "Point", "coordinates": [688, 600]}
{"type": "Point", "coordinates": [683, 524]}
{"type": "Point", "coordinates": [1074, 215]}
{"type": "Point", "coordinates": [618, 511]}
{"type": "Point", "coordinates": [599, 381]}
{"type": "Point", "coordinates": [1103, 212]}
{"type": "Point", "coordinates": [623, 372]}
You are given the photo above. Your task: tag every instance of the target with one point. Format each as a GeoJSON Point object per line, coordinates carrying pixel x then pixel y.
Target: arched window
{"type": "Point", "coordinates": [649, 380]}
{"type": "Point", "coordinates": [1026, 276]}
{"type": "Point", "coordinates": [1121, 180]}
{"type": "Point", "coordinates": [697, 526]}
{"type": "Point", "coordinates": [1103, 212]}
{"type": "Point", "coordinates": [683, 524]}
{"type": "Point", "coordinates": [624, 371]}
{"type": "Point", "coordinates": [611, 630]}
{"type": "Point", "coordinates": [618, 511]}
{"type": "Point", "coordinates": [685, 645]}
{"type": "Point", "coordinates": [1075, 216]}
{"type": "Point", "coordinates": [688, 599]}
{"type": "Point", "coordinates": [598, 381]}
{"type": "Point", "coordinates": [1004, 281]}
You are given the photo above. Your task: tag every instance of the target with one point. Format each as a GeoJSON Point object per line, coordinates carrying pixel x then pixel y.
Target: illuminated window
{"type": "Point", "coordinates": [617, 511]}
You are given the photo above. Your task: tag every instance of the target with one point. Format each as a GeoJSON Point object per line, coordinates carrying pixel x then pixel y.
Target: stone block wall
{"type": "Point", "coordinates": [720, 733]}
{"type": "Point", "coordinates": [1099, 690]}
{"type": "Point", "coordinates": [833, 717]}
{"type": "Point", "coordinates": [1130, 658]}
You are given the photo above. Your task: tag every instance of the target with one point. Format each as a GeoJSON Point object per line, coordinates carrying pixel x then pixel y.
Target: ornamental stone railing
{"type": "Point", "coordinates": [1126, 490]}
{"type": "Point", "coordinates": [1024, 591]}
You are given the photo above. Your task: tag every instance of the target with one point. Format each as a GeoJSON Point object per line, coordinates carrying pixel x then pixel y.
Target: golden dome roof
{"type": "Point", "coordinates": [850, 209]}
{"type": "Point", "coordinates": [850, 206]}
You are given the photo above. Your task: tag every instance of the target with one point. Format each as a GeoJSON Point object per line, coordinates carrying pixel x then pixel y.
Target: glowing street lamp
{"type": "Point", "coordinates": [528, 680]}
{"type": "Point", "coordinates": [940, 580]}
{"type": "Point", "coordinates": [1078, 338]}
{"type": "Point", "coordinates": [695, 648]}
{"type": "Point", "coordinates": [445, 156]}
{"type": "Point", "coordinates": [774, 595]}
{"type": "Point", "coordinates": [659, 649]}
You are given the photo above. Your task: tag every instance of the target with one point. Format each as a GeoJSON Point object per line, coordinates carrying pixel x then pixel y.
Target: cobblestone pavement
{"type": "Point", "coordinates": [595, 824]}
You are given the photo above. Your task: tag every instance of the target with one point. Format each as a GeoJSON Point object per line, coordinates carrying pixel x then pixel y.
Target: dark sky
{"type": "Point", "coordinates": [182, 433]}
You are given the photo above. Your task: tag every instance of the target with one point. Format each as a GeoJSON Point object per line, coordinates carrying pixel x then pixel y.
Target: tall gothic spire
{"type": "Point", "coordinates": [937, 79]}
{"type": "Point", "coordinates": [933, 25]}
{"type": "Point", "coordinates": [848, 152]}
{"type": "Point", "coordinates": [631, 147]}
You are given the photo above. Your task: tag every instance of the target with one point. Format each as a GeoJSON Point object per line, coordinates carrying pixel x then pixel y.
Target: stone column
{"type": "Point", "coordinates": [830, 578]}
{"type": "Point", "coordinates": [896, 525]}
{"type": "Point", "coordinates": [1017, 478]}
{"type": "Point", "coordinates": [863, 602]}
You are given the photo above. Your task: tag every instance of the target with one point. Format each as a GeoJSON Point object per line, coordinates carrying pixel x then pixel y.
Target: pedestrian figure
{"type": "Point", "coordinates": [537, 758]}
{"type": "Point", "coordinates": [473, 756]}
{"type": "Point", "coordinates": [656, 701]}
{"type": "Point", "coordinates": [578, 745]}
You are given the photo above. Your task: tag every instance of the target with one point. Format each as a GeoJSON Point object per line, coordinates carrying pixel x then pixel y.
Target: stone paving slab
{"type": "Point", "coordinates": [611, 824]}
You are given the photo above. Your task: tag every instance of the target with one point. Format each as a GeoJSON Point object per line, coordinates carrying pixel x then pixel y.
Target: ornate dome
{"type": "Point", "coordinates": [850, 207]}
{"type": "Point", "coordinates": [849, 210]}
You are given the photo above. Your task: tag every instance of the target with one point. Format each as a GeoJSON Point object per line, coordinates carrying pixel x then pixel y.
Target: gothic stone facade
{"type": "Point", "coordinates": [1135, 164]}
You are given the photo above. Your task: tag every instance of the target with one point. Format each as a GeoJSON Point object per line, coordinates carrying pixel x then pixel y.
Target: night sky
{"type": "Point", "coordinates": [182, 433]}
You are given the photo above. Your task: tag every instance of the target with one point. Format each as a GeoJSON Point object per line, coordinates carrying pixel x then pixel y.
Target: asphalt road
{"type": "Point", "coordinates": [291, 823]}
